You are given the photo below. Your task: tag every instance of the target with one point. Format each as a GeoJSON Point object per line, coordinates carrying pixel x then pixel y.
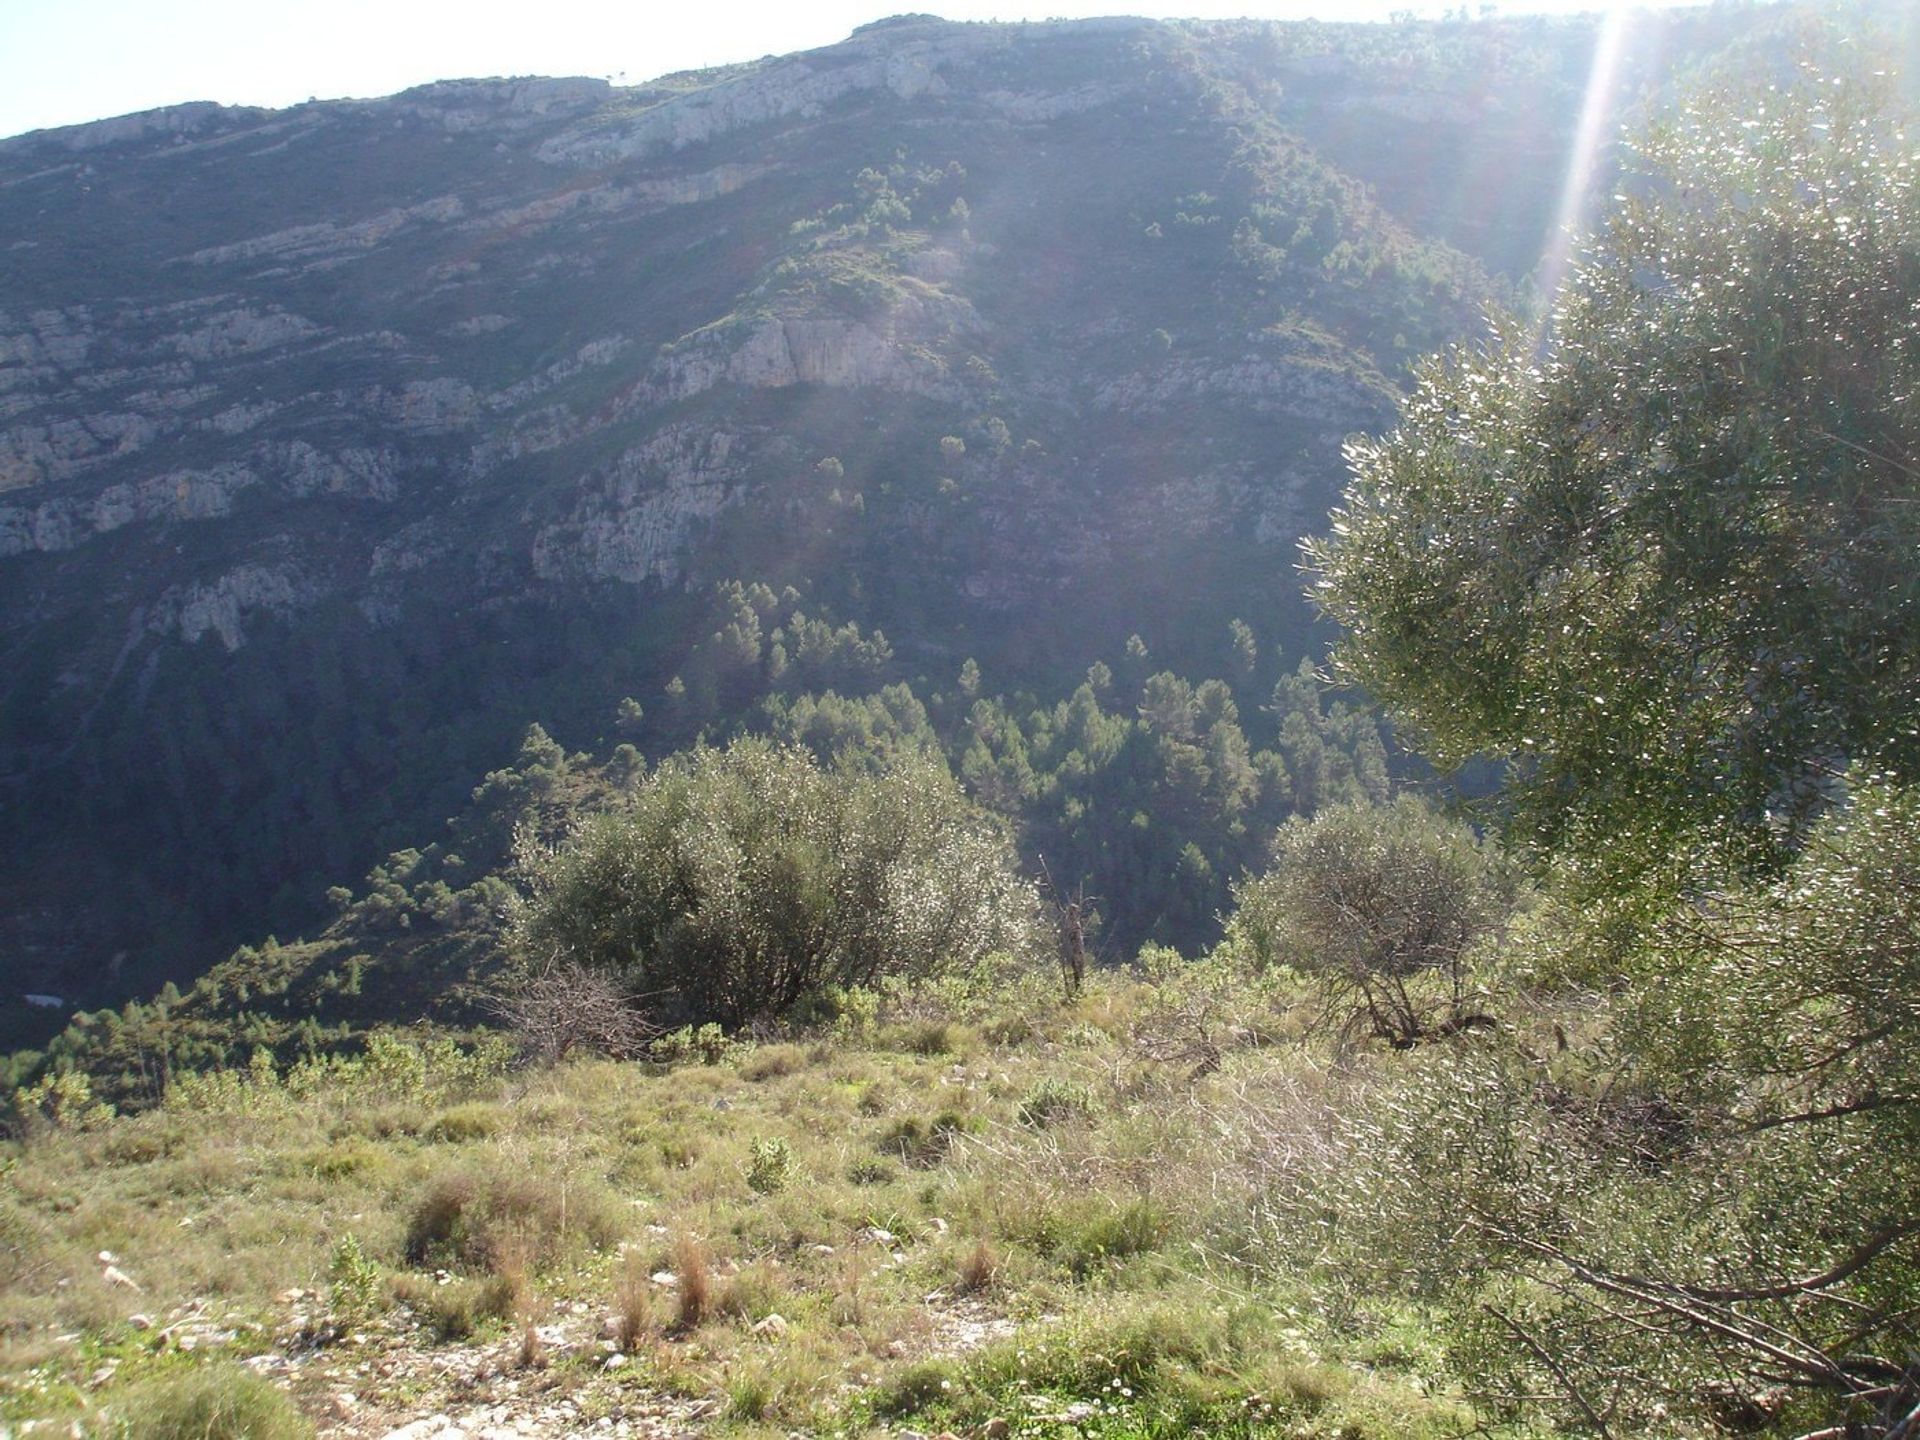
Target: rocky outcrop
{"type": "Point", "coordinates": [904, 62]}
{"type": "Point", "coordinates": [798, 88]}
{"type": "Point", "coordinates": [64, 523]}
{"type": "Point", "coordinates": [176, 122]}
{"type": "Point", "coordinates": [431, 407]}
{"type": "Point", "coordinates": [639, 513]}
{"type": "Point", "coordinates": [243, 332]}
{"type": "Point", "coordinates": [296, 467]}
{"type": "Point", "coordinates": [500, 105]}
{"type": "Point", "coordinates": [31, 454]}
{"type": "Point", "coordinates": [220, 606]}
{"type": "Point", "coordinates": [603, 351]}
{"type": "Point", "coordinates": [354, 473]}
{"type": "Point", "coordinates": [597, 202]}
{"type": "Point", "coordinates": [48, 339]}
{"type": "Point", "coordinates": [1038, 109]}
{"type": "Point", "coordinates": [897, 350]}
{"type": "Point", "coordinates": [328, 239]}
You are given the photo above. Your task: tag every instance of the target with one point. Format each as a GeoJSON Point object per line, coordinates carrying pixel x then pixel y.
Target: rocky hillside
{"type": "Point", "coordinates": [337, 443]}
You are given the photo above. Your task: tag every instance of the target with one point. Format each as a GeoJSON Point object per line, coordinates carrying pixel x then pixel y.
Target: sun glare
{"type": "Point", "coordinates": [1598, 117]}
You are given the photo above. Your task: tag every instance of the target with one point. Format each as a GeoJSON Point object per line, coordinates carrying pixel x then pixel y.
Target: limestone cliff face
{"type": "Point", "coordinates": [337, 442]}
{"type": "Point", "coordinates": [219, 607]}
{"type": "Point", "coordinates": [638, 514]}
{"type": "Point", "coordinates": [901, 350]}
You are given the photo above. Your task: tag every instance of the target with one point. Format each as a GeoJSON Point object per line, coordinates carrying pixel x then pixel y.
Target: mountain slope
{"type": "Point", "coordinates": [336, 443]}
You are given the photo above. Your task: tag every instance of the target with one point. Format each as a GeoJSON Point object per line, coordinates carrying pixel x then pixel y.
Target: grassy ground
{"type": "Point", "coordinates": [937, 1216]}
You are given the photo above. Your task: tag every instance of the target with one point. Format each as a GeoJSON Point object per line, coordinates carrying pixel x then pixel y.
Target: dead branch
{"type": "Point", "coordinates": [568, 1006]}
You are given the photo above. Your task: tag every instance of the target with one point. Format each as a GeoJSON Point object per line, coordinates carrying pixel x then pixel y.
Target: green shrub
{"type": "Point", "coordinates": [1054, 1099]}
{"type": "Point", "coordinates": [708, 1044]}
{"type": "Point", "coordinates": [769, 1165]}
{"type": "Point", "coordinates": [215, 1401]}
{"type": "Point", "coordinates": [353, 1284]}
{"type": "Point", "coordinates": [738, 882]}
{"type": "Point", "coordinates": [60, 1101]}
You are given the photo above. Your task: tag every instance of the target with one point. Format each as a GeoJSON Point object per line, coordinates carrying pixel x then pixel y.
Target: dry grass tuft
{"type": "Point", "coordinates": [979, 1267]}
{"type": "Point", "coordinates": [482, 1221]}
{"type": "Point", "coordinates": [694, 1292]}
{"type": "Point", "coordinates": [634, 1316]}
{"type": "Point", "coordinates": [533, 1350]}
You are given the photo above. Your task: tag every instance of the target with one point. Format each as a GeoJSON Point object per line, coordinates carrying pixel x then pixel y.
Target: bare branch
{"type": "Point", "coordinates": [1545, 1358]}
{"type": "Point", "coordinates": [569, 1006]}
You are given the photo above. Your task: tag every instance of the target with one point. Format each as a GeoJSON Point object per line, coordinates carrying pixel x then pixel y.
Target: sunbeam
{"type": "Point", "coordinates": [1598, 116]}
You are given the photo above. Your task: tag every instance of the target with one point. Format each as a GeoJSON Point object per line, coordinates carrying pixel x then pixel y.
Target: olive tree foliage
{"type": "Point", "coordinates": [1382, 907]}
{"type": "Point", "coordinates": [1662, 559]}
{"type": "Point", "coordinates": [1798, 1000]}
{"type": "Point", "coordinates": [736, 882]}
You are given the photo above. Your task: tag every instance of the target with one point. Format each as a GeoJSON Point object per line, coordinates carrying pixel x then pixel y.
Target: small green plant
{"type": "Point", "coordinates": [353, 1284]}
{"type": "Point", "coordinates": [769, 1165]}
{"type": "Point", "coordinates": [1053, 1100]}
{"type": "Point", "coordinates": [749, 1395]}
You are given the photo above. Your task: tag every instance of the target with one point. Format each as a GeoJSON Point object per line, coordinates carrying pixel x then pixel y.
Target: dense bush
{"type": "Point", "coordinates": [740, 881]}
{"type": "Point", "coordinates": [1708, 1221]}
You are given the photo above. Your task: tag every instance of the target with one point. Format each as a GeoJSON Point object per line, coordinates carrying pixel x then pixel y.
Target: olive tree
{"type": "Point", "coordinates": [1382, 908]}
{"type": "Point", "coordinates": [1661, 559]}
{"type": "Point", "coordinates": [736, 882]}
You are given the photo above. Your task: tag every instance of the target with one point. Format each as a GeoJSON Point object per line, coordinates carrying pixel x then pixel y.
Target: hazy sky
{"type": "Point", "coordinates": [65, 61]}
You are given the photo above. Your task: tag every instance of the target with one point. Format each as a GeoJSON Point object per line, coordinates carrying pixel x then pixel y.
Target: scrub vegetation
{"type": "Point", "coordinates": [766, 1088]}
